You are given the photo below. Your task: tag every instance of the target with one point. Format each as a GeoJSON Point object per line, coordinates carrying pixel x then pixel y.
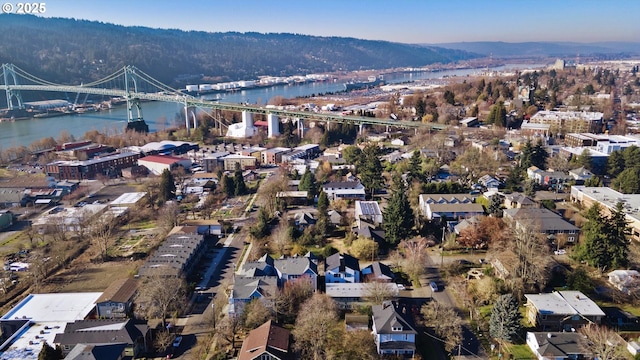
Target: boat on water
{"type": "Point", "coordinates": [49, 114]}
{"type": "Point", "coordinates": [372, 81]}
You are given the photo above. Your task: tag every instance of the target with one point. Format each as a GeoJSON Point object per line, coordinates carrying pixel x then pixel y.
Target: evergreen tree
{"type": "Point", "coordinates": [261, 229]}
{"type": "Point", "coordinates": [228, 185]}
{"type": "Point", "coordinates": [526, 155]}
{"type": "Point", "coordinates": [421, 108]}
{"type": "Point", "coordinates": [49, 353]}
{"type": "Point", "coordinates": [605, 243]}
{"type": "Point", "coordinates": [627, 181]}
{"type": "Point", "coordinates": [615, 164]}
{"type": "Point", "coordinates": [239, 187]}
{"type": "Point", "coordinates": [308, 184]}
{"type": "Point", "coordinates": [323, 224]}
{"type": "Point", "coordinates": [584, 159]}
{"type": "Point", "coordinates": [351, 154]}
{"type": "Point", "coordinates": [449, 97]}
{"type": "Point", "coordinates": [505, 319]}
{"type": "Point", "coordinates": [415, 167]}
{"type": "Point", "coordinates": [495, 205]}
{"type": "Point", "coordinates": [370, 169]}
{"type": "Point", "coordinates": [167, 186]}
{"type": "Point", "coordinates": [617, 235]}
{"type": "Point", "coordinates": [539, 156]}
{"type": "Point", "coordinates": [398, 216]}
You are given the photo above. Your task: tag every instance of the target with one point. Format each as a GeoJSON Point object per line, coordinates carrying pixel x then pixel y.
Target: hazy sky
{"type": "Point", "coordinates": [406, 21]}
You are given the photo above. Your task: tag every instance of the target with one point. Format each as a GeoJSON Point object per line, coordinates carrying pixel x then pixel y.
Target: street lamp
{"type": "Point", "coordinates": [213, 308]}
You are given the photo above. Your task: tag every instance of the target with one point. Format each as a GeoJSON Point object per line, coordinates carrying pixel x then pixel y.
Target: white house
{"type": "Point", "coordinates": [350, 190]}
{"type": "Point", "coordinates": [158, 163]}
{"type": "Point", "coordinates": [368, 211]}
{"type": "Point", "coordinates": [450, 206]}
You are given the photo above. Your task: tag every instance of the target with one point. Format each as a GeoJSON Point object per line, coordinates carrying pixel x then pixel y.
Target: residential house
{"type": "Point", "coordinates": [466, 223]}
{"type": "Point", "coordinates": [267, 342]}
{"type": "Point", "coordinates": [98, 332]}
{"type": "Point", "coordinates": [286, 269]}
{"type": "Point", "coordinates": [334, 217]}
{"type": "Point", "coordinates": [557, 345]}
{"type": "Point", "coordinates": [273, 156]}
{"type": "Point", "coordinates": [624, 280]}
{"type": "Point", "coordinates": [177, 255]}
{"type": "Point", "coordinates": [368, 211]}
{"type": "Point", "coordinates": [378, 272]}
{"type": "Point", "coordinates": [562, 310]}
{"type": "Point", "coordinates": [580, 175]}
{"type": "Point", "coordinates": [156, 164]}
{"type": "Point", "coordinates": [303, 220]}
{"type": "Point", "coordinates": [348, 190]}
{"type": "Point", "coordinates": [6, 219]}
{"type": "Point", "coordinates": [247, 288]}
{"type": "Point", "coordinates": [214, 161]}
{"type": "Point", "coordinates": [449, 206]}
{"type": "Point", "coordinates": [544, 221]}
{"type": "Point", "coordinates": [451, 141]}
{"type": "Point", "coordinates": [369, 231]}
{"type": "Point", "coordinates": [231, 161]}
{"type": "Point", "coordinates": [293, 197]}
{"type": "Point", "coordinates": [519, 201]}
{"type": "Point", "coordinates": [469, 122]}
{"type": "Point", "coordinates": [117, 300]}
{"type": "Point", "coordinates": [97, 352]}
{"type": "Point", "coordinates": [350, 295]}
{"type": "Point", "coordinates": [393, 332]}
{"type": "Point", "coordinates": [489, 181]}
{"type": "Point", "coordinates": [608, 199]}
{"type": "Point", "coordinates": [342, 268]}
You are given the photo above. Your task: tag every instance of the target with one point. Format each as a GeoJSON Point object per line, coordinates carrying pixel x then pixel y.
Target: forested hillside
{"type": "Point", "coordinates": [72, 51]}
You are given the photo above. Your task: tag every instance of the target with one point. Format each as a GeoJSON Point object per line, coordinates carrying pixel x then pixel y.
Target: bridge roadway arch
{"type": "Point", "coordinates": [215, 105]}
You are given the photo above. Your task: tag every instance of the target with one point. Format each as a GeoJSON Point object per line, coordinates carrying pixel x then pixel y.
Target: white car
{"type": "Point", "coordinates": [560, 252]}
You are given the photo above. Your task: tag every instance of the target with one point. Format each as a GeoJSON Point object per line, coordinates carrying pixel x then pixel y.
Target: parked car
{"type": "Point", "coordinates": [560, 252]}
{"type": "Point", "coordinates": [434, 286]}
{"type": "Point", "coordinates": [177, 341]}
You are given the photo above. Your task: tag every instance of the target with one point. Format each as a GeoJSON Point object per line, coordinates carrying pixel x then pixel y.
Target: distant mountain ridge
{"type": "Point", "coordinates": [545, 49]}
{"type": "Point", "coordinates": [74, 51]}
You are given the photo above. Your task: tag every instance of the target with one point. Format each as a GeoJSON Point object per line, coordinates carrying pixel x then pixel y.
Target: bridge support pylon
{"type": "Point", "coordinates": [10, 74]}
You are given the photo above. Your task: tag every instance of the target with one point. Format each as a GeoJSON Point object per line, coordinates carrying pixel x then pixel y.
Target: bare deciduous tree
{"type": "Point", "coordinates": [160, 295]}
{"type": "Point", "coordinates": [445, 323]}
{"type": "Point", "coordinates": [602, 343]}
{"type": "Point", "coordinates": [316, 327]}
{"type": "Point", "coordinates": [377, 292]}
{"type": "Point", "coordinates": [415, 256]}
{"type": "Point", "coordinates": [168, 215]}
{"type": "Point", "coordinates": [102, 232]}
{"type": "Point", "coordinates": [280, 238]}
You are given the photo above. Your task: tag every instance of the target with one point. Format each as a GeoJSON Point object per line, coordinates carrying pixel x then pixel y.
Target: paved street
{"type": "Point", "coordinates": [220, 270]}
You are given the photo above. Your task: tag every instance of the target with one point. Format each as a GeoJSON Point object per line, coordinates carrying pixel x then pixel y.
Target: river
{"type": "Point", "coordinates": [159, 115]}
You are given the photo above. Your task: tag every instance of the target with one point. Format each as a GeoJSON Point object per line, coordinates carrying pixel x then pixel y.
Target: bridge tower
{"type": "Point", "coordinates": [10, 73]}
{"type": "Point", "coordinates": [131, 87]}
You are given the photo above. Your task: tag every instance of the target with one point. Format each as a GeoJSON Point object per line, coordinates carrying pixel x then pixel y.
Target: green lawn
{"type": "Point", "coordinates": [634, 310]}
{"type": "Point", "coordinates": [521, 352]}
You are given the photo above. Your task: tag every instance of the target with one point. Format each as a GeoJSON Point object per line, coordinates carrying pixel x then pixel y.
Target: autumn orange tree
{"type": "Point", "coordinates": [483, 233]}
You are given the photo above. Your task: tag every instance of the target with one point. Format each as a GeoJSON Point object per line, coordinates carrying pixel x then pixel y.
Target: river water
{"type": "Point", "coordinates": [160, 115]}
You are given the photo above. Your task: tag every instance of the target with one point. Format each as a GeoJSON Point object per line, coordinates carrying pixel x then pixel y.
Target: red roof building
{"type": "Point", "coordinates": [270, 340]}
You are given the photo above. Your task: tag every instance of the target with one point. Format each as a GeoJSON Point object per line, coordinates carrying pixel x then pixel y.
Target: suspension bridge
{"type": "Point", "coordinates": [136, 86]}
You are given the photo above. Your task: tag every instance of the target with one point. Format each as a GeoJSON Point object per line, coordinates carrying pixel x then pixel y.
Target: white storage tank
{"type": "Point", "coordinates": [192, 87]}
{"type": "Point", "coordinates": [204, 87]}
